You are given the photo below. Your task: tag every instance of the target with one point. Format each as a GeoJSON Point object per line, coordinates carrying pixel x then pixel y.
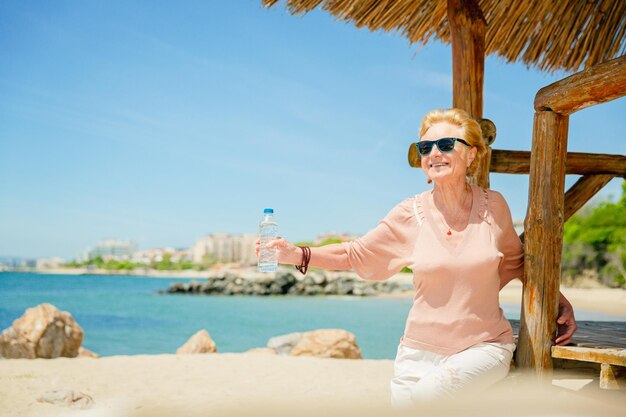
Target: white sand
{"type": "Point", "coordinates": [603, 300]}
{"type": "Point", "coordinates": [205, 384]}
{"type": "Point", "coordinates": [209, 381]}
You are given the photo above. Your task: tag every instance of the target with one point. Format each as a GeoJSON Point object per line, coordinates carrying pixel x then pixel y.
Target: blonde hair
{"type": "Point", "coordinates": [470, 127]}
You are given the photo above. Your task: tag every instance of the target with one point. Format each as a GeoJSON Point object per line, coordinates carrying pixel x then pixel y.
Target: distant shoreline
{"type": "Point", "coordinates": [140, 273]}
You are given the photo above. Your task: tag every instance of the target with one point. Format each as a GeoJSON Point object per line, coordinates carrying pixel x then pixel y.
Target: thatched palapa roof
{"type": "Point", "coordinates": [547, 34]}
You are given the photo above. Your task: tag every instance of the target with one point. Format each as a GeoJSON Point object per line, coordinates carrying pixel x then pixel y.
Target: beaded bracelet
{"type": "Point", "coordinates": [306, 257]}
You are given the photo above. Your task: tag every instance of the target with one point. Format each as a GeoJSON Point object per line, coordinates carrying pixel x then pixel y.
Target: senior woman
{"type": "Point", "coordinates": [460, 243]}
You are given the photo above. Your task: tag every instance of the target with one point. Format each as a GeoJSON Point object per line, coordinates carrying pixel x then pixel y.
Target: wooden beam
{"type": "Point", "coordinates": [510, 162]}
{"type": "Point", "coordinates": [596, 355]}
{"type": "Point", "coordinates": [518, 162]}
{"type": "Point", "coordinates": [598, 84]}
{"type": "Point", "coordinates": [467, 35]}
{"type": "Point", "coordinates": [612, 362]}
{"type": "Point", "coordinates": [544, 242]}
{"type": "Point", "coordinates": [582, 191]}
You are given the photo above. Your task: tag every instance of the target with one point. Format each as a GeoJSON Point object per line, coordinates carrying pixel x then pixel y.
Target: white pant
{"type": "Point", "coordinates": [422, 375]}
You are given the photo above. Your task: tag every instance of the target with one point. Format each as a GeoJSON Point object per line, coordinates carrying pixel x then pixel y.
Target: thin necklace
{"type": "Point", "coordinates": [443, 219]}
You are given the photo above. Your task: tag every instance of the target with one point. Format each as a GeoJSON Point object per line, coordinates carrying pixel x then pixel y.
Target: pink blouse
{"type": "Point", "coordinates": [456, 303]}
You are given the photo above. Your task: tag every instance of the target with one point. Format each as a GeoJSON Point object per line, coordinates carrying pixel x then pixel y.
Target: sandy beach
{"type": "Point", "coordinates": [145, 385]}
{"type": "Point", "coordinates": [209, 381]}
{"type": "Point", "coordinates": [603, 300]}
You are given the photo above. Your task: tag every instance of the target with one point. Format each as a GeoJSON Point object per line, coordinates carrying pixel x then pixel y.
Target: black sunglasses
{"type": "Point", "coordinates": [445, 145]}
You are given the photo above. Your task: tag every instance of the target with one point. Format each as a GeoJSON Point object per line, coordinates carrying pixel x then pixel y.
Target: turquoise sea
{"type": "Point", "coordinates": [123, 315]}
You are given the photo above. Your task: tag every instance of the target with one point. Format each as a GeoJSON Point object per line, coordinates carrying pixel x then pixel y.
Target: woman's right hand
{"type": "Point", "coordinates": [287, 252]}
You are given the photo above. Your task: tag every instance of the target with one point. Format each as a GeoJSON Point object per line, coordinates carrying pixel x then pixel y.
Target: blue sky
{"type": "Point", "coordinates": [160, 122]}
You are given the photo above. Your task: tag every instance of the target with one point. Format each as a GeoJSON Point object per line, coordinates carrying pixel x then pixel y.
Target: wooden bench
{"type": "Point", "coordinates": [612, 362]}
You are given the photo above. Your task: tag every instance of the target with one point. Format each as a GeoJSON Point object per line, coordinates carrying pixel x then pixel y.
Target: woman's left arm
{"type": "Point", "coordinates": [507, 240]}
{"type": "Point", "coordinates": [512, 265]}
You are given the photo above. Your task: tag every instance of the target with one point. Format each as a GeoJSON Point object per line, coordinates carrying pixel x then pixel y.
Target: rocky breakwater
{"type": "Point", "coordinates": [287, 283]}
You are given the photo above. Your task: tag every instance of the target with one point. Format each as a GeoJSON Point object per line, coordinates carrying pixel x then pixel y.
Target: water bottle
{"type": "Point", "coordinates": [268, 230]}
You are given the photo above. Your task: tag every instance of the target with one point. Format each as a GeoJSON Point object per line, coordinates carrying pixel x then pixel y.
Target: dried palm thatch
{"type": "Point", "coordinates": [548, 34]}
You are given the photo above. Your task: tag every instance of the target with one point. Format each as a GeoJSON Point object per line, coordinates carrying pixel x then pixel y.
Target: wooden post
{"type": "Point", "coordinates": [467, 35]}
{"type": "Point", "coordinates": [543, 242]}
{"type": "Point", "coordinates": [599, 84]}
{"type": "Point", "coordinates": [611, 377]}
{"type": "Point", "coordinates": [488, 129]}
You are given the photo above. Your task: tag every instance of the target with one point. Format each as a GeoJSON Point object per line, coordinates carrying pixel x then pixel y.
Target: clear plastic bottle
{"type": "Point", "coordinates": [268, 230]}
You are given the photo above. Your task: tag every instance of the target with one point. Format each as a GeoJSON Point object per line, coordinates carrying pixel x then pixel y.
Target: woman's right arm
{"type": "Point", "coordinates": [378, 255]}
{"type": "Point", "coordinates": [333, 257]}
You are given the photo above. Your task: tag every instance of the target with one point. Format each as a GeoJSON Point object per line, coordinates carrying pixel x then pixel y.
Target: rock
{"type": "Point", "coordinates": [205, 288]}
{"type": "Point", "coordinates": [313, 290]}
{"type": "Point", "coordinates": [263, 351]}
{"type": "Point", "coordinates": [318, 278]}
{"type": "Point", "coordinates": [200, 342]}
{"type": "Point", "coordinates": [74, 399]}
{"type": "Point", "coordinates": [86, 353]}
{"type": "Point", "coordinates": [42, 332]}
{"type": "Point", "coordinates": [230, 277]}
{"type": "Point", "coordinates": [176, 287]}
{"type": "Point", "coordinates": [14, 346]}
{"type": "Point", "coordinates": [259, 289]}
{"type": "Point", "coordinates": [297, 289]}
{"type": "Point", "coordinates": [345, 287]}
{"type": "Point", "coordinates": [282, 283]}
{"type": "Point", "coordinates": [285, 343]}
{"type": "Point", "coordinates": [195, 287]}
{"type": "Point", "coordinates": [218, 286]}
{"type": "Point", "coordinates": [364, 290]}
{"type": "Point", "coordinates": [327, 343]}
{"type": "Point", "coordinates": [369, 292]}
{"type": "Point", "coordinates": [235, 289]}
{"type": "Point", "coordinates": [331, 288]}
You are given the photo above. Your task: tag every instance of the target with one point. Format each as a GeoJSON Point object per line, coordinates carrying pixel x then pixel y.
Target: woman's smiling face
{"type": "Point", "coordinates": [440, 166]}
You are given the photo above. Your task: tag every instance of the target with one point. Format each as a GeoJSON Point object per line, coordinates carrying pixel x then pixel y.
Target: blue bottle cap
{"type": "Point", "coordinates": [268, 210]}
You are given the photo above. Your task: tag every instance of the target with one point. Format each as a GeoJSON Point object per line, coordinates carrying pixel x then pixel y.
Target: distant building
{"type": "Point", "coordinates": [112, 249]}
{"type": "Point", "coordinates": [50, 263]}
{"type": "Point", "coordinates": [27, 263]}
{"type": "Point", "coordinates": [9, 262]}
{"type": "Point", "coordinates": [224, 247]}
{"type": "Point", "coordinates": [149, 256]}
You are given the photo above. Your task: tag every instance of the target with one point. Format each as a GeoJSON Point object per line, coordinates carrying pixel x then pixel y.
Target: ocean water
{"type": "Point", "coordinates": [123, 315]}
